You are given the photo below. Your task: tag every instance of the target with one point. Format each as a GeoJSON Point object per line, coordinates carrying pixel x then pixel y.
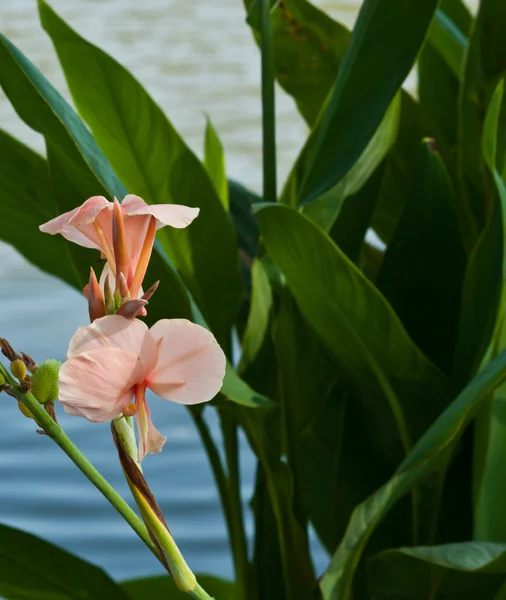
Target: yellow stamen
{"type": "Point", "coordinates": [130, 410]}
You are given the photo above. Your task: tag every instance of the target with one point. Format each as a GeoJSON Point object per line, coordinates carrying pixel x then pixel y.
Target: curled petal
{"type": "Point", "coordinates": [89, 210]}
{"type": "Point", "coordinates": [175, 215]}
{"type": "Point", "coordinates": [151, 441]}
{"type": "Point", "coordinates": [61, 225]}
{"type": "Point", "coordinates": [191, 364]}
{"type": "Point", "coordinates": [115, 331]}
{"type": "Point", "coordinates": [97, 385]}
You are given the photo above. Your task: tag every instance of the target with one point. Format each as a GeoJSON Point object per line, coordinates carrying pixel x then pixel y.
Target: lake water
{"type": "Point", "coordinates": [194, 57]}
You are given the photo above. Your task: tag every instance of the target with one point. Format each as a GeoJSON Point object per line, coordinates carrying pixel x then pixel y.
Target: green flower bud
{"type": "Point", "coordinates": [2, 380]}
{"type": "Point", "coordinates": [45, 381]}
{"type": "Point", "coordinates": [18, 369]}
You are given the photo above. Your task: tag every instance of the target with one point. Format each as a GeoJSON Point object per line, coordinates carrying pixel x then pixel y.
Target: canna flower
{"type": "Point", "coordinates": [124, 233]}
{"type": "Point", "coordinates": [112, 362]}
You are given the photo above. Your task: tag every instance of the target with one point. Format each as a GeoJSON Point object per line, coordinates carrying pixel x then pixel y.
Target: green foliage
{"type": "Point", "coordinates": [362, 363]}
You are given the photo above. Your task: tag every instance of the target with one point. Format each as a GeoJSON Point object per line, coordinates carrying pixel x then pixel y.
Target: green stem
{"type": "Point", "coordinates": [56, 433]}
{"type": "Point", "coordinates": [233, 517]}
{"type": "Point", "coordinates": [268, 104]}
{"type": "Point", "coordinates": [237, 533]}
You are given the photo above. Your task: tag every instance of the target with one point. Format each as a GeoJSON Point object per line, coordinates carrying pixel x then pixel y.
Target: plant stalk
{"type": "Point", "coordinates": [268, 104]}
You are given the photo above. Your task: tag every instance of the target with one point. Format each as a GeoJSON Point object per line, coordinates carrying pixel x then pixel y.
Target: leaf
{"type": "Point", "coordinates": [464, 571]}
{"type": "Point", "coordinates": [485, 62]}
{"type": "Point", "coordinates": [440, 67]}
{"type": "Point", "coordinates": [258, 318]}
{"type": "Point", "coordinates": [236, 389]}
{"type": "Point", "coordinates": [450, 42]}
{"type": "Point", "coordinates": [308, 49]}
{"type": "Point", "coordinates": [27, 201]}
{"type": "Point", "coordinates": [33, 568]}
{"type": "Point", "coordinates": [490, 440]}
{"type": "Point", "coordinates": [423, 268]}
{"type": "Point", "coordinates": [325, 210]}
{"type": "Point", "coordinates": [155, 163]}
{"type": "Point", "coordinates": [214, 162]}
{"type": "Point", "coordinates": [351, 317]}
{"type": "Point", "coordinates": [164, 588]}
{"type": "Point", "coordinates": [430, 454]}
{"type": "Point", "coordinates": [365, 86]}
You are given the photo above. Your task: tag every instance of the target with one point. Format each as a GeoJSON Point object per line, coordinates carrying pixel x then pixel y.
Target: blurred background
{"type": "Point", "coordinates": [194, 58]}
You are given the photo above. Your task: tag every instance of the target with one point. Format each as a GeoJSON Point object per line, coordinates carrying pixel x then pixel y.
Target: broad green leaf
{"type": "Point", "coordinates": [423, 268]}
{"type": "Point", "coordinates": [306, 376]}
{"type": "Point", "coordinates": [441, 64]}
{"type": "Point", "coordinates": [77, 167]}
{"type": "Point", "coordinates": [365, 86]}
{"type": "Point", "coordinates": [214, 162]}
{"type": "Point", "coordinates": [308, 49]}
{"type": "Point", "coordinates": [154, 162]}
{"type": "Point", "coordinates": [33, 569]}
{"type": "Point", "coordinates": [325, 210]}
{"type": "Point", "coordinates": [485, 62]}
{"type": "Point", "coordinates": [258, 318]}
{"type": "Point", "coordinates": [351, 317]}
{"type": "Point", "coordinates": [464, 571]}
{"type": "Point", "coordinates": [26, 202]}
{"type": "Point", "coordinates": [164, 588]}
{"type": "Point", "coordinates": [449, 41]}
{"type": "Point", "coordinates": [430, 454]}
{"type": "Point", "coordinates": [236, 389]}
{"type": "Point", "coordinates": [490, 436]}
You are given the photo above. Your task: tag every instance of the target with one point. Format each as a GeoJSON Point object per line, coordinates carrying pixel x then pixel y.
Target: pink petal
{"type": "Point", "coordinates": [151, 441]}
{"type": "Point", "coordinates": [89, 210]}
{"type": "Point", "coordinates": [61, 225]}
{"type": "Point", "coordinates": [191, 364]}
{"type": "Point", "coordinates": [97, 385]}
{"type": "Point", "coordinates": [175, 215]}
{"type": "Point", "coordinates": [115, 331]}
{"type": "Point", "coordinates": [96, 208]}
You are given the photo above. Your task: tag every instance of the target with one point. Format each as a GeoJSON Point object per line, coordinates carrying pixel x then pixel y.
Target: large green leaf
{"type": "Point", "coordinates": [365, 86]}
{"type": "Point", "coordinates": [214, 162]}
{"type": "Point", "coordinates": [33, 569]}
{"type": "Point", "coordinates": [424, 264]}
{"type": "Point", "coordinates": [352, 318]}
{"type": "Point", "coordinates": [485, 62]}
{"type": "Point", "coordinates": [164, 588]}
{"type": "Point", "coordinates": [441, 64]}
{"type": "Point", "coordinates": [154, 162]}
{"type": "Point", "coordinates": [463, 571]}
{"type": "Point", "coordinates": [490, 437]}
{"type": "Point", "coordinates": [308, 49]}
{"type": "Point", "coordinates": [26, 202]}
{"type": "Point", "coordinates": [430, 455]}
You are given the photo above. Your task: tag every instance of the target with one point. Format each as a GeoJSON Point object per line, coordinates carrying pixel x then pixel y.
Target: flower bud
{"type": "Point", "coordinates": [25, 410]}
{"type": "Point", "coordinates": [18, 369]}
{"type": "Point", "coordinates": [45, 381]}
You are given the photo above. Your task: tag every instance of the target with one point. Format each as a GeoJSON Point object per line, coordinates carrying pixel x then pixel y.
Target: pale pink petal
{"type": "Point", "coordinates": [175, 215]}
{"type": "Point", "coordinates": [115, 331]}
{"type": "Point", "coordinates": [191, 364]}
{"type": "Point", "coordinates": [61, 225]}
{"type": "Point", "coordinates": [151, 441]}
{"type": "Point", "coordinates": [136, 228]}
{"type": "Point", "coordinates": [97, 384]}
{"type": "Point", "coordinates": [89, 210]}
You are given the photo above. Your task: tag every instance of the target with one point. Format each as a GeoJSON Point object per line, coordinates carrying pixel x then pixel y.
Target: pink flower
{"type": "Point", "coordinates": [112, 361]}
{"type": "Point", "coordinates": [124, 233]}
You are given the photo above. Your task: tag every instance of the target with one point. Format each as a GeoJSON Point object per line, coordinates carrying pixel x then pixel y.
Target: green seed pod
{"type": "Point", "coordinates": [2, 380]}
{"type": "Point", "coordinates": [18, 369]}
{"type": "Point", "coordinates": [45, 381]}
